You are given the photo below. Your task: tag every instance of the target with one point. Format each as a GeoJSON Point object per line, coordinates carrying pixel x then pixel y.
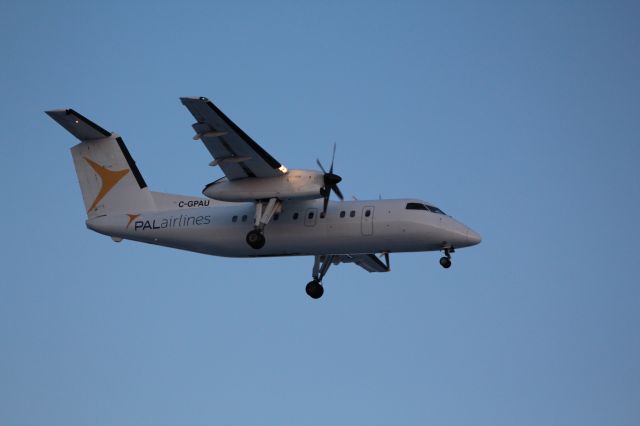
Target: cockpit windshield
{"type": "Point", "coordinates": [435, 209]}
{"type": "Point", "coordinates": [426, 207]}
{"type": "Point", "coordinates": [416, 206]}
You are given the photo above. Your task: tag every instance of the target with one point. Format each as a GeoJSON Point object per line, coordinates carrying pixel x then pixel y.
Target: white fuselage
{"type": "Point", "coordinates": [219, 228]}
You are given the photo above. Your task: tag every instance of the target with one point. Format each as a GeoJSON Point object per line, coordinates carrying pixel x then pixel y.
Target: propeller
{"type": "Point", "coordinates": [331, 181]}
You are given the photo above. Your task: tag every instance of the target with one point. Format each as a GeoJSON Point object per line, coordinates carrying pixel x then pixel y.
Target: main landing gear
{"type": "Point", "coordinates": [321, 265]}
{"type": "Point", "coordinates": [445, 261]}
{"type": "Point", "coordinates": [264, 213]}
{"type": "Point", "coordinates": [314, 289]}
{"type": "Point", "coordinates": [255, 239]}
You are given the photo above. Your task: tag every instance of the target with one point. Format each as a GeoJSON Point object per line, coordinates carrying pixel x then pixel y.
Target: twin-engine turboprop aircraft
{"type": "Point", "coordinates": [259, 208]}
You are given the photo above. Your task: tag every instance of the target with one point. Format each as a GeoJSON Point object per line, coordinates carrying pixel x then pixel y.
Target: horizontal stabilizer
{"type": "Point", "coordinates": [78, 125]}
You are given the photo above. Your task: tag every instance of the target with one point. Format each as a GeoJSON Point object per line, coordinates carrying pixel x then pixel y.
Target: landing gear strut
{"type": "Point", "coordinates": [264, 213]}
{"type": "Point", "coordinates": [321, 265]}
{"type": "Point", "coordinates": [445, 261]}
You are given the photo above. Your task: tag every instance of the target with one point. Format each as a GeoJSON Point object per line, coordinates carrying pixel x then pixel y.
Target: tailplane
{"type": "Point", "coordinates": [109, 178]}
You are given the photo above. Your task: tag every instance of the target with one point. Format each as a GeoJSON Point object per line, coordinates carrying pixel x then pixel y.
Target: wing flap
{"type": "Point", "coordinates": [368, 262]}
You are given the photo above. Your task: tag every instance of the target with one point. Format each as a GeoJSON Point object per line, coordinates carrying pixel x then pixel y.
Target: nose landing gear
{"type": "Point", "coordinates": [445, 261]}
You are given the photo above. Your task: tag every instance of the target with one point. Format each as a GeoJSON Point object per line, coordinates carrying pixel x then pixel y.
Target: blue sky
{"type": "Point", "coordinates": [520, 119]}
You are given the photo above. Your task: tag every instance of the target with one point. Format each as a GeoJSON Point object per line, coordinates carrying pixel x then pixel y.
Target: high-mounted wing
{"type": "Point", "coordinates": [233, 150]}
{"type": "Point", "coordinates": [368, 262]}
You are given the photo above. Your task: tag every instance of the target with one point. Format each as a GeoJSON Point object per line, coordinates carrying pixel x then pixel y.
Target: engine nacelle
{"type": "Point", "coordinates": [295, 184]}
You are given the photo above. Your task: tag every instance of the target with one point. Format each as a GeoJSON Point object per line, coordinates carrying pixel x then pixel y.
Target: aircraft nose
{"type": "Point", "coordinates": [473, 237]}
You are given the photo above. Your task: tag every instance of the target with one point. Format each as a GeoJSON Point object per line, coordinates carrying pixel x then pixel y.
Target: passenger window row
{"type": "Point", "coordinates": [244, 218]}
{"type": "Point", "coordinates": [352, 213]}
{"type": "Point", "coordinates": [310, 215]}
{"type": "Point", "coordinates": [235, 218]}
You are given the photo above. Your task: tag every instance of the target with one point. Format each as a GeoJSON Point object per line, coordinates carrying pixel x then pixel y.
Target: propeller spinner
{"type": "Point", "coordinates": [331, 181]}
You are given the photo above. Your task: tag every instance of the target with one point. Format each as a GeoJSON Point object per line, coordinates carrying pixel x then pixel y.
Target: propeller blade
{"type": "Point", "coordinates": [321, 168]}
{"type": "Point", "coordinates": [333, 157]}
{"type": "Point", "coordinates": [338, 192]}
{"type": "Point", "coordinates": [330, 181]}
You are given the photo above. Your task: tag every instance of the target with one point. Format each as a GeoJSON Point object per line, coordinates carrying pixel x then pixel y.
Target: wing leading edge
{"type": "Point", "coordinates": [232, 149]}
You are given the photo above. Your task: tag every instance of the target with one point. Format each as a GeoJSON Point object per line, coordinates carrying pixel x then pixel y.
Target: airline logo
{"type": "Point", "coordinates": [109, 179]}
{"type": "Point", "coordinates": [132, 217]}
{"type": "Point", "coordinates": [167, 222]}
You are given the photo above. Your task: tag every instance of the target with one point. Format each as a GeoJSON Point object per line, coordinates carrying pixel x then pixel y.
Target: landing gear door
{"type": "Point", "coordinates": [310, 217]}
{"type": "Point", "coordinates": [367, 220]}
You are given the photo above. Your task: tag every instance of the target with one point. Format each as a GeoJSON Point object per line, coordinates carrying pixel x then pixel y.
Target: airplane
{"type": "Point", "coordinates": [258, 208]}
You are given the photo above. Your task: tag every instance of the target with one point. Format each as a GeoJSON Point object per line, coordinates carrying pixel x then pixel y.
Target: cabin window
{"type": "Point", "coordinates": [416, 206]}
{"type": "Point", "coordinates": [295, 216]}
{"type": "Point", "coordinates": [244, 217]}
{"type": "Point", "coordinates": [367, 213]}
{"type": "Point", "coordinates": [342, 213]}
{"type": "Point", "coordinates": [352, 213]}
{"type": "Point", "coordinates": [234, 219]}
{"type": "Point", "coordinates": [310, 215]}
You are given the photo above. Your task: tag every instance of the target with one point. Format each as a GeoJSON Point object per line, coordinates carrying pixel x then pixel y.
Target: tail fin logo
{"type": "Point", "coordinates": [108, 177]}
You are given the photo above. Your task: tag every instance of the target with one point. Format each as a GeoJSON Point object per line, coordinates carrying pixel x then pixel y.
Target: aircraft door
{"type": "Point", "coordinates": [367, 220]}
{"type": "Point", "coordinates": [310, 217]}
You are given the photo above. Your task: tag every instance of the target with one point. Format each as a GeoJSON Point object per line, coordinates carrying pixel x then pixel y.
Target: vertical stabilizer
{"type": "Point", "coordinates": [109, 178]}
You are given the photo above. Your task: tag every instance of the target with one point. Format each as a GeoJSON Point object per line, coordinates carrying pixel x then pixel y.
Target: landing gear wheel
{"type": "Point", "coordinates": [314, 289]}
{"type": "Point", "coordinates": [255, 239]}
{"type": "Point", "coordinates": [445, 262]}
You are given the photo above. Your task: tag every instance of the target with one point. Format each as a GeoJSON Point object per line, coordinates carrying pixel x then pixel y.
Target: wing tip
{"type": "Point", "coordinates": [55, 111]}
{"type": "Point", "coordinates": [193, 98]}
